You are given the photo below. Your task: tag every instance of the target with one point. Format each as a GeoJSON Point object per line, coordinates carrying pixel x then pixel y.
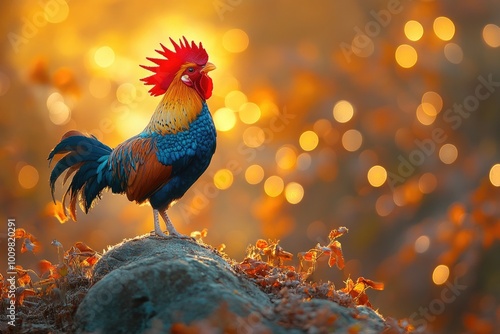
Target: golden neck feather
{"type": "Point", "coordinates": [178, 108]}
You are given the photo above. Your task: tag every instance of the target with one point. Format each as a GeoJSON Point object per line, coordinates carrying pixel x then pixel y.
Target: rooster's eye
{"type": "Point", "coordinates": [190, 69]}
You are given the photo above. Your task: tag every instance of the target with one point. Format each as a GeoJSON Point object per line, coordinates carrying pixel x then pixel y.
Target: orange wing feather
{"type": "Point", "coordinates": [147, 178]}
{"type": "Point", "coordinates": [148, 175]}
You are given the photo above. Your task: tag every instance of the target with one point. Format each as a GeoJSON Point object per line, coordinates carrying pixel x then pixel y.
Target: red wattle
{"type": "Point", "coordinates": [204, 86]}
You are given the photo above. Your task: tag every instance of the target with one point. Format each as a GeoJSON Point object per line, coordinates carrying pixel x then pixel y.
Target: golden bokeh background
{"type": "Point", "coordinates": [382, 116]}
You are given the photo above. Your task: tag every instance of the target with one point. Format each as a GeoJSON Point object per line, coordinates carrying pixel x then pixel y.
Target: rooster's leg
{"type": "Point", "coordinates": [170, 227]}
{"type": "Point", "coordinates": [158, 230]}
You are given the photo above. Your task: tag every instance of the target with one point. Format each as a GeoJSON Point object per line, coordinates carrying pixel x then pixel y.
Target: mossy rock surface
{"type": "Point", "coordinates": [152, 285]}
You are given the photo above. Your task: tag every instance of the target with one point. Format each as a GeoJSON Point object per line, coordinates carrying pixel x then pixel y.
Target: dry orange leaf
{"type": "Point", "coordinates": [261, 244]}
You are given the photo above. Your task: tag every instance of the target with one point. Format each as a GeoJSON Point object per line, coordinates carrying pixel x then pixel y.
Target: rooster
{"type": "Point", "coordinates": [162, 162]}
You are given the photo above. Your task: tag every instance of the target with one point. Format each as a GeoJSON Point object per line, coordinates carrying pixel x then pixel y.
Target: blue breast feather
{"type": "Point", "coordinates": [188, 152]}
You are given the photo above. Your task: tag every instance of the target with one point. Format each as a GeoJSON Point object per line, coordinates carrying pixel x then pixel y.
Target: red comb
{"type": "Point", "coordinates": [167, 67]}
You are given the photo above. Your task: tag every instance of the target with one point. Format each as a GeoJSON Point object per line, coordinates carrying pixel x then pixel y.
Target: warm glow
{"type": "Point", "coordinates": [304, 161]}
{"type": "Point", "coordinates": [495, 175]}
{"type": "Point", "coordinates": [58, 15]}
{"type": "Point", "coordinates": [406, 56]}
{"type": "Point", "coordinates": [235, 99]}
{"type": "Point", "coordinates": [377, 175]}
{"type": "Point", "coordinates": [362, 49]}
{"type": "Point", "coordinates": [104, 56]}
{"type": "Point", "coordinates": [235, 40]}
{"type": "Point", "coordinates": [453, 52]}
{"type": "Point", "coordinates": [352, 140]}
{"type": "Point", "coordinates": [448, 153]}
{"type": "Point", "coordinates": [273, 186]}
{"type": "Point", "coordinates": [254, 174]}
{"type": "Point", "coordinates": [28, 177]}
{"type": "Point", "coordinates": [440, 274]}
{"type": "Point", "coordinates": [99, 87]}
{"type": "Point", "coordinates": [224, 119]}
{"type": "Point", "coordinates": [343, 111]}
{"type": "Point", "coordinates": [413, 30]}
{"type": "Point", "coordinates": [422, 244]}
{"type": "Point", "coordinates": [126, 93]}
{"type": "Point", "coordinates": [426, 113]}
{"type": "Point", "coordinates": [429, 109]}
{"type": "Point", "coordinates": [444, 28]}
{"type": "Point", "coordinates": [427, 183]}
{"type": "Point", "coordinates": [254, 136]}
{"type": "Point", "coordinates": [384, 205]}
{"type": "Point", "coordinates": [435, 100]}
{"type": "Point", "coordinates": [223, 179]}
{"type": "Point", "coordinates": [491, 35]}
{"type": "Point", "coordinates": [4, 84]}
{"type": "Point", "coordinates": [59, 113]}
{"type": "Point", "coordinates": [286, 157]}
{"type": "Point", "coordinates": [294, 192]}
{"type": "Point", "coordinates": [308, 140]}
{"type": "Point", "coordinates": [249, 113]}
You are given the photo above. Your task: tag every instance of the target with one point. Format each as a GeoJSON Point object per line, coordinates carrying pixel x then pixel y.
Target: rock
{"type": "Point", "coordinates": [152, 285]}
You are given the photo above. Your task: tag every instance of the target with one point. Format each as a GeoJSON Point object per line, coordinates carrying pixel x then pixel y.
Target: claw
{"type": "Point", "coordinates": [172, 232]}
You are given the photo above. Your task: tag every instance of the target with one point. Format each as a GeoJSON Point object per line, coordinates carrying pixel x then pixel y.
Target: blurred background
{"type": "Point", "coordinates": [381, 116]}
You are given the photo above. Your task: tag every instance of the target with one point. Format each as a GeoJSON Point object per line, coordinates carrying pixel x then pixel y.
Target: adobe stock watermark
{"type": "Point", "coordinates": [362, 44]}
{"type": "Point", "coordinates": [49, 10]}
{"type": "Point", "coordinates": [207, 191]}
{"type": "Point", "coordinates": [454, 117]}
{"type": "Point", "coordinates": [424, 315]}
{"type": "Point", "coordinates": [224, 6]}
{"type": "Point", "coordinates": [11, 272]}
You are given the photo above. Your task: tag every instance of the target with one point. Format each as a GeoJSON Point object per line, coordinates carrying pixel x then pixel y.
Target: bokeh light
{"type": "Point", "coordinates": [273, 186]}
{"type": "Point", "coordinates": [254, 174]}
{"type": "Point", "coordinates": [59, 112]}
{"type": "Point", "coordinates": [384, 205]}
{"type": "Point", "coordinates": [440, 274]}
{"type": "Point", "coordinates": [377, 175]}
{"type": "Point", "coordinates": [286, 157]}
{"type": "Point", "coordinates": [453, 52]}
{"type": "Point", "coordinates": [224, 119]}
{"type": "Point", "coordinates": [422, 244]}
{"type": "Point", "coordinates": [426, 113]}
{"type": "Point", "coordinates": [126, 93]}
{"type": "Point", "coordinates": [235, 40]}
{"type": "Point", "coordinates": [413, 30]}
{"type": "Point", "coordinates": [444, 28]}
{"type": "Point", "coordinates": [308, 140]}
{"type": "Point", "coordinates": [435, 100]}
{"type": "Point", "coordinates": [343, 111]}
{"type": "Point", "coordinates": [56, 14]}
{"type": "Point", "coordinates": [254, 136]}
{"type": "Point", "coordinates": [223, 179]}
{"type": "Point", "coordinates": [448, 153]}
{"type": "Point", "coordinates": [104, 56]}
{"type": "Point", "coordinates": [249, 113]}
{"type": "Point", "coordinates": [294, 192]}
{"type": "Point", "coordinates": [491, 35]}
{"type": "Point", "coordinates": [427, 183]}
{"type": "Point", "coordinates": [406, 56]}
{"type": "Point", "coordinates": [494, 175]}
{"type": "Point", "coordinates": [352, 140]}
{"type": "Point", "coordinates": [235, 100]}
{"type": "Point", "coordinates": [304, 161]}
{"type": "Point", "coordinates": [28, 177]}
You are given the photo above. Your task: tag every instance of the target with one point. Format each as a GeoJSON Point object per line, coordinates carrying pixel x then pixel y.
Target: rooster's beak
{"type": "Point", "coordinates": [208, 67]}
